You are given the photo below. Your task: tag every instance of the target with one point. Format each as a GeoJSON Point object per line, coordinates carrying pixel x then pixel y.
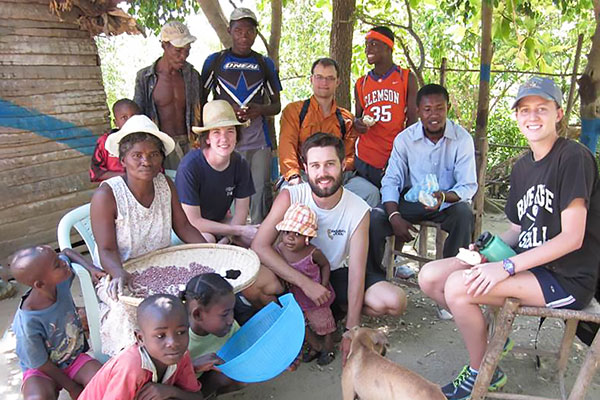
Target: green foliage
{"type": "Point", "coordinates": [528, 35]}
{"type": "Point", "coordinates": [114, 83]}
{"type": "Point", "coordinates": [503, 129]}
{"type": "Point", "coordinates": [305, 37]}
{"type": "Point", "coordinates": [152, 14]}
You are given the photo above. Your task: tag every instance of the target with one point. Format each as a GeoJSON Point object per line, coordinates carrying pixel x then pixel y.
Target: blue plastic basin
{"type": "Point", "coordinates": [267, 344]}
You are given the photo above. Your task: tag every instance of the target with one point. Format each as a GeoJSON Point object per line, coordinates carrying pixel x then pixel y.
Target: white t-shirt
{"type": "Point", "coordinates": [335, 226]}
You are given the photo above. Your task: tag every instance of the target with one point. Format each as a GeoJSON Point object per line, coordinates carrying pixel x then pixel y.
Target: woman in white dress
{"type": "Point", "coordinates": [133, 215]}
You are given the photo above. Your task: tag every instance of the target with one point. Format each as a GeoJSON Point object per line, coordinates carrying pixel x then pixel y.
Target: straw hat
{"type": "Point", "coordinates": [135, 124]}
{"type": "Point", "coordinates": [217, 114]}
{"type": "Point", "coordinates": [299, 218]}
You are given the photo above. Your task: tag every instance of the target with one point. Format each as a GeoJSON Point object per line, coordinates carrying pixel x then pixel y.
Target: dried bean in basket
{"type": "Point", "coordinates": [165, 279]}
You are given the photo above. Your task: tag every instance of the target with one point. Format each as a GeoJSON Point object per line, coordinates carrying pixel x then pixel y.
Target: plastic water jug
{"type": "Point", "coordinates": [493, 248]}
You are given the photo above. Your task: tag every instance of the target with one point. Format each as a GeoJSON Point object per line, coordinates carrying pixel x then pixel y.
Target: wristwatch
{"type": "Point", "coordinates": [508, 266]}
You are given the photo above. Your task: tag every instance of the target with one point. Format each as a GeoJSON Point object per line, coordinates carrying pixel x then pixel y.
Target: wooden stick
{"type": "Point", "coordinates": [504, 322]}
{"type": "Point", "coordinates": [571, 98]}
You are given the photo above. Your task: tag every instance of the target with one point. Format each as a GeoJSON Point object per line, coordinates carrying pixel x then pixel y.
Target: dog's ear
{"type": "Point", "coordinates": [379, 338]}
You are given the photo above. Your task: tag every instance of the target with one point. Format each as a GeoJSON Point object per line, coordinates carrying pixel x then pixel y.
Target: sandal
{"type": "Point", "coordinates": [325, 358]}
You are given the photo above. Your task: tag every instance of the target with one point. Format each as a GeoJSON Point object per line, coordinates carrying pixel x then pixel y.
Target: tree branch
{"type": "Point", "coordinates": [417, 69]}
{"type": "Point", "coordinates": [275, 37]}
{"type": "Point", "coordinates": [214, 14]}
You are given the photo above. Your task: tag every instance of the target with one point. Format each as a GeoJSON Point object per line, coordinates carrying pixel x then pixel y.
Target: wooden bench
{"type": "Point", "coordinates": [503, 326]}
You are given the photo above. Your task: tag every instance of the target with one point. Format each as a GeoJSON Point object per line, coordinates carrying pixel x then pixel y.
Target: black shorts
{"type": "Point", "coordinates": [339, 281]}
{"type": "Point", "coordinates": [556, 295]}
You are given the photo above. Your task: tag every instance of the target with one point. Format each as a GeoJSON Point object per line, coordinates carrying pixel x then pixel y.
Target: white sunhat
{"type": "Point", "coordinates": [217, 114]}
{"type": "Point", "coordinates": [135, 124]}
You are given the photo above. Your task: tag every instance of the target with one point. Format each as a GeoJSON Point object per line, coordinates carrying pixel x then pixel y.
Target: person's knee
{"type": "Point", "coordinates": [385, 298]}
{"type": "Point", "coordinates": [372, 196]}
{"type": "Point", "coordinates": [38, 388]}
{"type": "Point", "coordinates": [429, 278]}
{"type": "Point", "coordinates": [39, 396]}
{"type": "Point", "coordinates": [455, 291]}
{"type": "Point", "coordinates": [398, 301]}
{"type": "Point", "coordinates": [269, 282]}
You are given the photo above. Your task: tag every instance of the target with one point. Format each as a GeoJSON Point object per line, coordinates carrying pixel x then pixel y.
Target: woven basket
{"type": "Point", "coordinates": [219, 257]}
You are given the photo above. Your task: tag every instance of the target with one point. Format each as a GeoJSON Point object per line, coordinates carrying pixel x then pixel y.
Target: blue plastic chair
{"type": "Point", "coordinates": [171, 173]}
{"type": "Point", "coordinates": [79, 218]}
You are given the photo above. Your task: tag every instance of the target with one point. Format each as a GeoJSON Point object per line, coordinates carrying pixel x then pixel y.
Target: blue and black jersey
{"type": "Point", "coordinates": [241, 81]}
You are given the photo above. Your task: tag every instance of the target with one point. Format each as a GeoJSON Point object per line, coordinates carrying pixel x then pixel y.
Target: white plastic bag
{"type": "Point", "coordinates": [422, 191]}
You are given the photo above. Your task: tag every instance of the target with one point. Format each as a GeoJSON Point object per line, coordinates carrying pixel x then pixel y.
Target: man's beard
{"type": "Point", "coordinates": [337, 183]}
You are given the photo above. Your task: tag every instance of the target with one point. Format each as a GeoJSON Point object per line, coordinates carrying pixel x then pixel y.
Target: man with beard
{"type": "Point", "coordinates": [342, 235]}
{"type": "Point", "coordinates": [434, 145]}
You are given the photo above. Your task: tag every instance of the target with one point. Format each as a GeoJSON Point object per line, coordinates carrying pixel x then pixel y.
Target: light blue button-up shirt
{"type": "Point", "coordinates": [451, 159]}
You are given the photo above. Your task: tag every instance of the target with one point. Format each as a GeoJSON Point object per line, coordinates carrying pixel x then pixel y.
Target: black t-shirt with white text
{"type": "Point", "coordinates": [540, 191]}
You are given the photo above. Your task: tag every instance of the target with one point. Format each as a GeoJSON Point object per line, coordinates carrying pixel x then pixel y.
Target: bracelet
{"type": "Point", "coordinates": [392, 215]}
{"type": "Point", "coordinates": [443, 198]}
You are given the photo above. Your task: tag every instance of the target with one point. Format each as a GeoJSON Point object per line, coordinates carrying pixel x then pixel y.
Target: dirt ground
{"type": "Point", "coordinates": [419, 340]}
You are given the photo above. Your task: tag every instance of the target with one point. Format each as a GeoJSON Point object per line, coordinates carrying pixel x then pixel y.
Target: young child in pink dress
{"type": "Point", "coordinates": [299, 225]}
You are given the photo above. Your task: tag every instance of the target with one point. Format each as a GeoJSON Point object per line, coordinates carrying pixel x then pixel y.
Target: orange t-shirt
{"type": "Point", "coordinates": [384, 99]}
{"type": "Point", "coordinates": [291, 135]}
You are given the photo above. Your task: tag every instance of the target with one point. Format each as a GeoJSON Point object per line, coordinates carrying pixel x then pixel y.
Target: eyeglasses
{"type": "Point", "coordinates": [328, 79]}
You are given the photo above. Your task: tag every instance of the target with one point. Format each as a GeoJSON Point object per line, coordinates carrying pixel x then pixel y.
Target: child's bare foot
{"type": "Point", "coordinates": [325, 357]}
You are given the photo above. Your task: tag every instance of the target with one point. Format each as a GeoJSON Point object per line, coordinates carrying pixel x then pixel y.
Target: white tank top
{"type": "Point", "coordinates": [141, 230]}
{"type": "Point", "coordinates": [335, 226]}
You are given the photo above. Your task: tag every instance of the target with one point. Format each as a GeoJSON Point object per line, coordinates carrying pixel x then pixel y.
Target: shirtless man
{"type": "Point", "coordinates": [169, 90]}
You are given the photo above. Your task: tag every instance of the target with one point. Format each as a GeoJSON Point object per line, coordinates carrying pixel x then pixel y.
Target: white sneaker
{"type": "Point", "coordinates": [403, 272]}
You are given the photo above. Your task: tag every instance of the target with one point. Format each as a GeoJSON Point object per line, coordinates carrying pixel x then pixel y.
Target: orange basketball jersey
{"type": "Point", "coordinates": [384, 99]}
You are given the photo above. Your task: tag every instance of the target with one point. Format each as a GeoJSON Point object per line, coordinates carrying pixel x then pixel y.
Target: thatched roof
{"type": "Point", "coordinates": [96, 16]}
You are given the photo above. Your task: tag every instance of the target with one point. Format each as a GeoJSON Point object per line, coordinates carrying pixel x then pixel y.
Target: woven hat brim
{"type": "Point", "coordinates": [219, 124]}
{"type": "Point", "coordinates": [113, 140]}
{"type": "Point", "coordinates": [291, 226]}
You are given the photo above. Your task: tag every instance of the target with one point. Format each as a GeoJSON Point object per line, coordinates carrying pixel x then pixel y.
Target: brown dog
{"type": "Point", "coordinates": [370, 376]}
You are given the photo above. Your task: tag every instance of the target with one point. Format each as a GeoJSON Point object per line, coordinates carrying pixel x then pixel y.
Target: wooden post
{"type": "Point", "coordinates": [587, 371]}
{"type": "Point", "coordinates": [571, 98]}
{"type": "Point", "coordinates": [490, 360]}
{"type": "Point", "coordinates": [443, 72]}
{"type": "Point", "coordinates": [481, 143]}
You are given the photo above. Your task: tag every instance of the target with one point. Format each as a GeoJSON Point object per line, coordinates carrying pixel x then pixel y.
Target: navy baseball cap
{"type": "Point", "coordinates": [538, 86]}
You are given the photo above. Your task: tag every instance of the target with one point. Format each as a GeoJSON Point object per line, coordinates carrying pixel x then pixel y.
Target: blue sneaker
{"type": "Point", "coordinates": [461, 387]}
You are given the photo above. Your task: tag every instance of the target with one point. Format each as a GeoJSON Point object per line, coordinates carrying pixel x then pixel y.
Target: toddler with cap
{"type": "Point", "coordinates": [298, 226]}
